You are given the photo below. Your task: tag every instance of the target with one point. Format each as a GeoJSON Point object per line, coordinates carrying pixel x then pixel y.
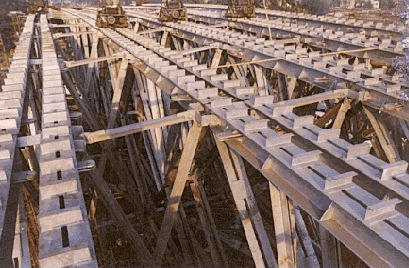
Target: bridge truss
{"type": "Point", "coordinates": [294, 130]}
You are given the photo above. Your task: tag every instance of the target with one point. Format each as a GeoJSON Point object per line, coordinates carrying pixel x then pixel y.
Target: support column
{"type": "Point", "coordinates": [246, 204]}
{"type": "Point", "coordinates": [282, 226]}
{"type": "Point", "coordinates": [282, 87]}
{"type": "Point", "coordinates": [384, 137]}
{"type": "Point", "coordinates": [328, 249]}
{"type": "Point", "coordinates": [216, 58]}
{"type": "Point", "coordinates": [305, 240]}
{"type": "Point", "coordinates": [118, 85]}
{"type": "Point", "coordinates": [339, 120]}
{"type": "Point", "coordinates": [261, 80]}
{"type": "Point", "coordinates": [94, 54]}
{"type": "Point", "coordinates": [185, 164]}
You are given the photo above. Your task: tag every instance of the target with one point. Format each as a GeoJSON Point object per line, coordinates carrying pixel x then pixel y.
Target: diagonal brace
{"type": "Point", "coordinates": [94, 54]}
{"type": "Point", "coordinates": [255, 232]}
{"type": "Point", "coordinates": [118, 85]}
{"type": "Point", "coordinates": [175, 196]}
{"type": "Point", "coordinates": [387, 143]}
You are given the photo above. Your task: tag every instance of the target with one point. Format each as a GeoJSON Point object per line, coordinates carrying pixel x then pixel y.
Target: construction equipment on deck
{"type": "Point", "coordinates": [173, 10]}
{"type": "Point", "coordinates": [241, 9]}
{"type": "Point", "coordinates": [111, 15]}
{"type": "Point", "coordinates": [35, 6]}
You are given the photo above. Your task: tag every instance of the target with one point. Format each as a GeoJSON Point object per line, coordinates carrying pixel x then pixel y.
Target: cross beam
{"type": "Point", "coordinates": [106, 134]}
{"type": "Point", "coordinates": [59, 35]}
{"type": "Point", "coordinates": [71, 64]}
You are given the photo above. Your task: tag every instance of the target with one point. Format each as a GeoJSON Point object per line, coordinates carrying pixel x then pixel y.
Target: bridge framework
{"type": "Point", "coordinates": [186, 111]}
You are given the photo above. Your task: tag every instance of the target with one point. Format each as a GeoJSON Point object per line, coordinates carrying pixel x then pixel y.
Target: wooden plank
{"type": "Point", "coordinates": [60, 35]}
{"type": "Point", "coordinates": [328, 249]}
{"type": "Point", "coordinates": [267, 77]}
{"type": "Point", "coordinates": [164, 38]}
{"type": "Point", "coordinates": [247, 207]}
{"type": "Point", "coordinates": [253, 210]}
{"type": "Point", "coordinates": [118, 86]}
{"type": "Point", "coordinates": [148, 137]}
{"type": "Point", "coordinates": [235, 244]}
{"type": "Point", "coordinates": [188, 254]}
{"type": "Point", "coordinates": [282, 226]}
{"type": "Point", "coordinates": [330, 114]}
{"type": "Point", "coordinates": [84, 38]}
{"type": "Point", "coordinates": [76, 63]}
{"type": "Point", "coordinates": [216, 58]}
{"type": "Point", "coordinates": [172, 147]}
{"type": "Point", "coordinates": [111, 65]}
{"type": "Point", "coordinates": [268, 20]}
{"type": "Point", "coordinates": [149, 96]}
{"type": "Point", "coordinates": [405, 128]}
{"type": "Point", "coordinates": [381, 130]}
{"type": "Point", "coordinates": [140, 160]}
{"type": "Point", "coordinates": [106, 134]}
{"type": "Point", "coordinates": [339, 93]}
{"type": "Point", "coordinates": [21, 238]}
{"type": "Point", "coordinates": [147, 141]}
{"type": "Point", "coordinates": [282, 87]}
{"type": "Point", "coordinates": [258, 70]}
{"type": "Point", "coordinates": [176, 43]}
{"type": "Point", "coordinates": [162, 114]}
{"type": "Point", "coordinates": [153, 31]}
{"type": "Point", "coordinates": [177, 191]}
{"type": "Point", "coordinates": [94, 55]}
{"type": "Point", "coordinates": [305, 240]}
{"type": "Point", "coordinates": [339, 120]}
{"type": "Point", "coordinates": [136, 27]}
{"type": "Point", "coordinates": [64, 25]}
{"type": "Point", "coordinates": [198, 49]}
{"type": "Point", "coordinates": [292, 81]}
{"type": "Point", "coordinates": [293, 230]}
{"type": "Point", "coordinates": [174, 251]}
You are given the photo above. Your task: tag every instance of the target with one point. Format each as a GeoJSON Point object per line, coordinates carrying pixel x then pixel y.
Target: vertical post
{"type": "Point", "coordinates": [118, 85]}
{"type": "Point", "coordinates": [268, 20]}
{"type": "Point", "coordinates": [247, 207]}
{"type": "Point", "coordinates": [328, 249]}
{"type": "Point", "coordinates": [94, 54]}
{"type": "Point", "coordinates": [339, 120]}
{"type": "Point", "coordinates": [281, 85]}
{"type": "Point", "coordinates": [291, 86]}
{"type": "Point", "coordinates": [260, 77]}
{"type": "Point", "coordinates": [216, 58]}
{"type": "Point", "coordinates": [164, 38]}
{"type": "Point", "coordinates": [282, 226]}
